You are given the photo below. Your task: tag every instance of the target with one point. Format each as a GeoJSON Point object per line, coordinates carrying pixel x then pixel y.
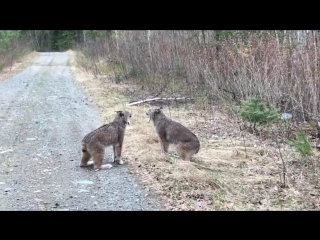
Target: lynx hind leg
{"type": "Point", "coordinates": [185, 150]}
{"type": "Point", "coordinates": [85, 160]}
{"type": "Point", "coordinates": [98, 156]}
{"type": "Point", "coordinates": [181, 151]}
{"type": "Point", "coordinates": [97, 161]}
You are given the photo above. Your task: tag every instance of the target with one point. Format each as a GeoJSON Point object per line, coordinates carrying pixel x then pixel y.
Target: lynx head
{"type": "Point", "coordinates": [123, 117]}
{"type": "Point", "coordinates": [153, 113]}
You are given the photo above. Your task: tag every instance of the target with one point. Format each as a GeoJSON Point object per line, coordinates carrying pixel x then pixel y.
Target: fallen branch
{"type": "Point", "coordinates": [157, 99]}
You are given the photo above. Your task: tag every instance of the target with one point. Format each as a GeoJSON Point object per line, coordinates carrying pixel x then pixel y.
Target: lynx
{"type": "Point", "coordinates": [94, 143]}
{"type": "Point", "coordinates": [171, 132]}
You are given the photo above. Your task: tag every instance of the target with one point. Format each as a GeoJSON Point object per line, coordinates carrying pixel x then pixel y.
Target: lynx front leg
{"type": "Point", "coordinates": [118, 149]}
{"type": "Point", "coordinates": [164, 145]}
{"type": "Point", "coordinates": [114, 153]}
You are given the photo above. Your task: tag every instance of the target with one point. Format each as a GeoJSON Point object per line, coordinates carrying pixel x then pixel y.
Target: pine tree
{"type": "Point", "coordinates": [302, 144]}
{"type": "Point", "coordinates": [255, 111]}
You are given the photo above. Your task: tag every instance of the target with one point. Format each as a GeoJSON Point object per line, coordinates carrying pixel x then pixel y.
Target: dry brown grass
{"type": "Point", "coordinates": [226, 174]}
{"type": "Point", "coordinates": [18, 65]}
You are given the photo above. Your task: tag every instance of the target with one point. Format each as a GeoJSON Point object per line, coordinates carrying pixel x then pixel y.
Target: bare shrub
{"type": "Point", "coordinates": [283, 73]}
{"type": "Point", "coordinates": [13, 50]}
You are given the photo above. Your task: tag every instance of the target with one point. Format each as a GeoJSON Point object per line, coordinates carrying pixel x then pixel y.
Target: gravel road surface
{"type": "Point", "coordinates": [43, 117]}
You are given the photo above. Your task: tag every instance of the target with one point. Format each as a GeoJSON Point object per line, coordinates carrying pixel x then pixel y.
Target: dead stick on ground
{"type": "Point", "coordinates": [204, 167]}
{"type": "Point", "coordinates": [157, 99]}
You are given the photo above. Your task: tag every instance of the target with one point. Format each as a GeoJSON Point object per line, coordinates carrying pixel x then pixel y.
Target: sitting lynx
{"type": "Point", "coordinates": [171, 132]}
{"type": "Point", "coordinates": [94, 143]}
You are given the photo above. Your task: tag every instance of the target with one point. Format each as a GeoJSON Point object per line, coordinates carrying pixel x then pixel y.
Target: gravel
{"type": "Point", "coordinates": [43, 117]}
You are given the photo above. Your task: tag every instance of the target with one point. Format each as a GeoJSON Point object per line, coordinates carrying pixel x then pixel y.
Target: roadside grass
{"type": "Point", "coordinates": [18, 65]}
{"type": "Point", "coordinates": [227, 173]}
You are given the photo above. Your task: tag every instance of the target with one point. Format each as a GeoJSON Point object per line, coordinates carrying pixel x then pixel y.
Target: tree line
{"type": "Point", "coordinates": [281, 67]}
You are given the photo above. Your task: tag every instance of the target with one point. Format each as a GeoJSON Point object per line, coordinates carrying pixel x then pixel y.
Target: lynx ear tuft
{"type": "Point", "coordinates": [120, 113]}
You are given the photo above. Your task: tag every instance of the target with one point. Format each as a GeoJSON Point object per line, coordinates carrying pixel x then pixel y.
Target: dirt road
{"type": "Point", "coordinates": [43, 117]}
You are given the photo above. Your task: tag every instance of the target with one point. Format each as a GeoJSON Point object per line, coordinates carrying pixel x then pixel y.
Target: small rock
{"type": "Point", "coordinates": [286, 116]}
{"type": "Point", "coordinates": [83, 190]}
{"type": "Point", "coordinates": [31, 139]}
{"type": "Point", "coordinates": [84, 182]}
{"type": "Point", "coordinates": [7, 189]}
{"type": "Point", "coordinates": [2, 183]}
{"type": "Point", "coordinates": [38, 191]}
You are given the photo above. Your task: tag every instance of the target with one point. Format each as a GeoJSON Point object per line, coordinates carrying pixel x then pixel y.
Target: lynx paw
{"type": "Point", "coordinates": [119, 161]}
{"type": "Point", "coordinates": [106, 166]}
{"type": "Point", "coordinates": [89, 163]}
